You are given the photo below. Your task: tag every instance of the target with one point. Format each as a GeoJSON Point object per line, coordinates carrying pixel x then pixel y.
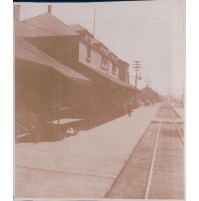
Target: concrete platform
{"type": "Point", "coordinates": [82, 166]}
{"type": "Point", "coordinates": [180, 112]}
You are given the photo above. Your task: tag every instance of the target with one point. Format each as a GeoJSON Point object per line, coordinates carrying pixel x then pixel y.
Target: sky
{"type": "Point", "coordinates": [152, 32]}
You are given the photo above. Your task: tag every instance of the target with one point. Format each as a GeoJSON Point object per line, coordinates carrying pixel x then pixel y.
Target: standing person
{"type": "Point", "coordinates": [145, 102]}
{"type": "Point", "coordinates": [125, 108]}
{"type": "Point", "coordinates": [129, 109]}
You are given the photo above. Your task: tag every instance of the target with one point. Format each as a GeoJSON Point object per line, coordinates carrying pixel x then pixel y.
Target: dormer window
{"type": "Point", "coordinates": [104, 64]}
{"type": "Point", "coordinates": [104, 51]}
{"type": "Point", "coordinates": [88, 39]}
{"type": "Point", "coordinates": [114, 59]}
{"type": "Point", "coordinates": [114, 68]}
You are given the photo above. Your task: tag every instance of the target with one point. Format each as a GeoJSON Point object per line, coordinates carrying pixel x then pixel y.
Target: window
{"type": "Point", "coordinates": [114, 59]}
{"type": "Point", "coordinates": [114, 69]}
{"type": "Point", "coordinates": [88, 39]}
{"type": "Point", "coordinates": [104, 51]}
{"type": "Point", "coordinates": [104, 63]}
{"type": "Point", "coordinates": [88, 56]}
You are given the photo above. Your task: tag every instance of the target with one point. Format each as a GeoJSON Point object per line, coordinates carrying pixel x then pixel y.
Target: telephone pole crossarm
{"type": "Point", "coordinates": [137, 66]}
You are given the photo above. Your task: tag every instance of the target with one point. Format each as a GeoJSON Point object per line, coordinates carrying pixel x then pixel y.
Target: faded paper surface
{"type": "Point", "coordinates": [89, 79]}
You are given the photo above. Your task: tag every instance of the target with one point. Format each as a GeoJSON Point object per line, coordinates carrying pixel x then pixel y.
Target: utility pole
{"type": "Point", "coordinates": [137, 67]}
{"type": "Point", "coordinates": [94, 23]}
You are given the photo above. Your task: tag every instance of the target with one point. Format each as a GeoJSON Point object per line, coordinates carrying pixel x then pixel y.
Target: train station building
{"type": "Point", "coordinates": [83, 78]}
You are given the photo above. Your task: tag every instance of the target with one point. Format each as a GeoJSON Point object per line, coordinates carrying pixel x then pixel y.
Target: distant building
{"type": "Point", "coordinates": [148, 93]}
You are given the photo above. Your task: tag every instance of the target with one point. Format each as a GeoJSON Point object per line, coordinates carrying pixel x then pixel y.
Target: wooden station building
{"type": "Point", "coordinates": [63, 71]}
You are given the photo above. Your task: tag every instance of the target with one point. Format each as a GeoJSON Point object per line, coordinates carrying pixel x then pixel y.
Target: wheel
{"type": "Point", "coordinates": [35, 136]}
{"type": "Point", "coordinates": [70, 131]}
{"type": "Point", "coordinates": [61, 136]}
{"type": "Point", "coordinates": [38, 137]}
{"type": "Point", "coordinates": [76, 130]}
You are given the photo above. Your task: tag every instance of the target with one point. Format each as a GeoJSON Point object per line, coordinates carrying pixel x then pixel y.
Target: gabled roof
{"type": "Point", "coordinates": [28, 52]}
{"type": "Point", "coordinates": [27, 30]}
{"type": "Point", "coordinates": [52, 24]}
{"type": "Point", "coordinates": [96, 42]}
{"type": "Point", "coordinates": [147, 92]}
{"type": "Point", "coordinates": [77, 27]}
{"type": "Point", "coordinates": [80, 29]}
{"type": "Point", "coordinates": [124, 62]}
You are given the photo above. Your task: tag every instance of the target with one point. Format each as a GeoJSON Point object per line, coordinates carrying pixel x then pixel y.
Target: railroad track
{"type": "Point", "coordinates": [181, 135]}
{"type": "Point", "coordinates": [155, 170]}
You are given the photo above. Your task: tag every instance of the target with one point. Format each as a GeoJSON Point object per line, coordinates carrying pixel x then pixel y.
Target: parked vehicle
{"type": "Point", "coordinates": [36, 127]}
{"type": "Point", "coordinates": [26, 129]}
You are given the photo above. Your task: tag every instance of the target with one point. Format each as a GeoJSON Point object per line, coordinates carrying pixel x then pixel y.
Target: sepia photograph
{"type": "Point", "coordinates": [99, 98]}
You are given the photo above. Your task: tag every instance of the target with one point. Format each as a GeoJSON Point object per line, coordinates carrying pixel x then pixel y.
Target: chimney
{"type": "Point", "coordinates": [50, 9]}
{"type": "Point", "coordinates": [16, 12]}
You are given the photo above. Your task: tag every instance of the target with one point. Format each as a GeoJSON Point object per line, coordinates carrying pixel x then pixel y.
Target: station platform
{"type": "Point", "coordinates": [82, 166]}
{"type": "Point", "coordinates": [180, 112]}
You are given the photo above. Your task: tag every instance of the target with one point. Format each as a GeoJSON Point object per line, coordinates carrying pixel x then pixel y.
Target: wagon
{"type": "Point", "coordinates": [26, 130]}
{"type": "Point", "coordinates": [61, 128]}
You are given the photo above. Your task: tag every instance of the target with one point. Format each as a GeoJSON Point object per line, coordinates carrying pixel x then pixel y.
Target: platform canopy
{"type": "Point", "coordinates": [97, 76]}
{"type": "Point", "coordinates": [25, 51]}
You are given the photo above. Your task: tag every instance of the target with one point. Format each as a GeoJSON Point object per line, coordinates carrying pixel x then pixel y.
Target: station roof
{"type": "Point", "coordinates": [27, 30]}
{"type": "Point", "coordinates": [52, 24]}
{"type": "Point", "coordinates": [77, 27]}
{"type": "Point", "coordinates": [148, 92]}
{"type": "Point", "coordinates": [124, 62]}
{"type": "Point", "coordinates": [95, 41]}
{"type": "Point", "coordinates": [28, 52]}
{"type": "Point", "coordinates": [118, 82]}
{"type": "Point", "coordinates": [49, 25]}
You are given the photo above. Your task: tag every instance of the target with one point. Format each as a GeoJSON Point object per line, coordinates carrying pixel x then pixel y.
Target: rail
{"type": "Point", "coordinates": [153, 160]}
{"type": "Point", "coordinates": [180, 134]}
{"type": "Point", "coordinates": [149, 181]}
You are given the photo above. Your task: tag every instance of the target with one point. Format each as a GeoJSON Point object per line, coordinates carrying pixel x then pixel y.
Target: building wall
{"type": "Point", "coordinates": [124, 72]}
{"type": "Point", "coordinates": [126, 76]}
{"type": "Point", "coordinates": [63, 49]}
{"type": "Point", "coordinates": [110, 69]}
{"type": "Point", "coordinates": [71, 50]}
{"type": "Point", "coordinates": [95, 60]}
{"type": "Point", "coordinates": [34, 87]}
